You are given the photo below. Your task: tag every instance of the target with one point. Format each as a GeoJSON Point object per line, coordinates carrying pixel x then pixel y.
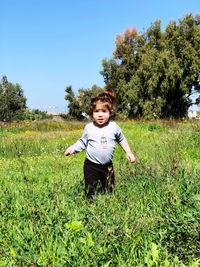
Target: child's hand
{"type": "Point", "coordinates": [130, 157]}
{"type": "Point", "coordinates": [69, 151]}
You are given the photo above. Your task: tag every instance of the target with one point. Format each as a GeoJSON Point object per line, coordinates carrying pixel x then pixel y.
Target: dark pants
{"type": "Point", "coordinates": [99, 177]}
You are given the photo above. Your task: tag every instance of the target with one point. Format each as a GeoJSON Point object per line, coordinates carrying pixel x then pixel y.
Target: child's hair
{"type": "Point", "coordinates": [108, 97]}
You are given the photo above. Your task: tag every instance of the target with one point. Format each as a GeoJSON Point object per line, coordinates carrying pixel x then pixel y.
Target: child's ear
{"type": "Point", "coordinates": [111, 113]}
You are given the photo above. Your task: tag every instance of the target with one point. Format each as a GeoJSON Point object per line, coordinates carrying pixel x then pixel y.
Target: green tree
{"type": "Point", "coordinates": [156, 72]}
{"type": "Point", "coordinates": [74, 109]}
{"type": "Point", "coordinates": [12, 101]}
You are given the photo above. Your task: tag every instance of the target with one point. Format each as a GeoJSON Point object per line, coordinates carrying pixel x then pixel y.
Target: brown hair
{"type": "Point", "coordinates": [108, 97]}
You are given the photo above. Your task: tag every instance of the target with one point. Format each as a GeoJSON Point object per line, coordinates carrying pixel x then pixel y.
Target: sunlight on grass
{"type": "Point", "coordinates": [152, 219]}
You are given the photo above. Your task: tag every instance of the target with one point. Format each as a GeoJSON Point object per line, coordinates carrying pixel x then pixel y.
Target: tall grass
{"type": "Point", "coordinates": [151, 219]}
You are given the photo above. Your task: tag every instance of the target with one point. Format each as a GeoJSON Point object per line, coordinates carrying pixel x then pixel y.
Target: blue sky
{"type": "Point", "coordinates": [47, 45]}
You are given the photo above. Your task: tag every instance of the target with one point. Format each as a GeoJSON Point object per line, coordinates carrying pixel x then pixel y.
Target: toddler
{"type": "Point", "coordinates": [99, 139]}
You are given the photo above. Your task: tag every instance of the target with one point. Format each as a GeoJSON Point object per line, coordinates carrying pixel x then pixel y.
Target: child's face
{"type": "Point", "coordinates": [101, 114]}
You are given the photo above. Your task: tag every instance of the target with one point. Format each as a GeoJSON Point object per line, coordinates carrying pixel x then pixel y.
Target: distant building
{"type": "Point", "coordinates": [57, 116]}
{"type": "Point", "coordinates": [192, 114]}
{"type": "Point", "coordinates": [54, 114]}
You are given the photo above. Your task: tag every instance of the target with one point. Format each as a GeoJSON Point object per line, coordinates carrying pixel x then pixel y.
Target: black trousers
{"type": "Point", "coordinates": [98, 178]}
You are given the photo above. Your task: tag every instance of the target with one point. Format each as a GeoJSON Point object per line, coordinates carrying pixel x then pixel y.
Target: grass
{"type": "Point", "coordinates": [152, 219]}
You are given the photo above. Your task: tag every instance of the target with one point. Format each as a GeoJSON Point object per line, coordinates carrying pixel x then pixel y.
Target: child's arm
{"type": "Point", "coordinates": [127, 150]}
{"type": "Point", "coordinates": [79, 146]}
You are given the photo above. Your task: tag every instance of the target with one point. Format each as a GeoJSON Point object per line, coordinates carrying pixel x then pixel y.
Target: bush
{"type": "Point", "coordinates": [36, 114]}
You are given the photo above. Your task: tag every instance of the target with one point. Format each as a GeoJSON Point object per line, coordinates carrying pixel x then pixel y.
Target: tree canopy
{"type": "Point", "coordinates": [156, 72]}
{"type": "Point", "coordinates": [12, 100]}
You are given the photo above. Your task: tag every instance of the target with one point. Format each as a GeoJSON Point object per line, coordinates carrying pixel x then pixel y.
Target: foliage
{"type": "Point", "coordinates": [36, 114]}
{"type": "Point", "coordinates": [74, 105]}
{"type": "Point", "coordinates": [7, 129]}
{"type": "Point", "coordinates": [152, 219]}
{"type": "Point", "coordinates": [155, 72]}
{"type": "Point", "coordinates": [77, 106]}
{"type": "Point", "coordinates": [12, 101]}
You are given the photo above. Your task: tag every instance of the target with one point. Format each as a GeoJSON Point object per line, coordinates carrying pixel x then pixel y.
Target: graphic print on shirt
{"type": "Point", "coordinates": [103, 142]}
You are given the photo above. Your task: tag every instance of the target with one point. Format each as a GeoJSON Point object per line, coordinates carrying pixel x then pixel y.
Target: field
{"type": "Point", "coordinates": [151, 219]}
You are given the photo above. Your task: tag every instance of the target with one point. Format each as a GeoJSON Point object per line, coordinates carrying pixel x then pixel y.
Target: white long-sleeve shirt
{"type": "Point", "coordinates": [99, 142]}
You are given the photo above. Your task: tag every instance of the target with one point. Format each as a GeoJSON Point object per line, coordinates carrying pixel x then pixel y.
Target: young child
{"type": "Point", "coordinates": [99, 139]}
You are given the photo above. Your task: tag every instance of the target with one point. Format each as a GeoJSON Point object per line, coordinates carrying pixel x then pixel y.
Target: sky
{"type": "Point", "coordinates": [46, 45]}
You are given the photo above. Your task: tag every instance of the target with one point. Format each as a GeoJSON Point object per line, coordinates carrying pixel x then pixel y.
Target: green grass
{"type": "Point", "coordinates": [151, 219]}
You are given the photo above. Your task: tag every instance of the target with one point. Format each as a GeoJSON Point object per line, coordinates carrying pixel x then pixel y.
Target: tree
{"type": "Point", "coordinates": [77, 105]}
{"type": "Point", "coordinates": [12, 101]}
{"type": "Point", "coordinates": [73, 106]}
{"type": "Point", "coordinates": [156, 72]}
